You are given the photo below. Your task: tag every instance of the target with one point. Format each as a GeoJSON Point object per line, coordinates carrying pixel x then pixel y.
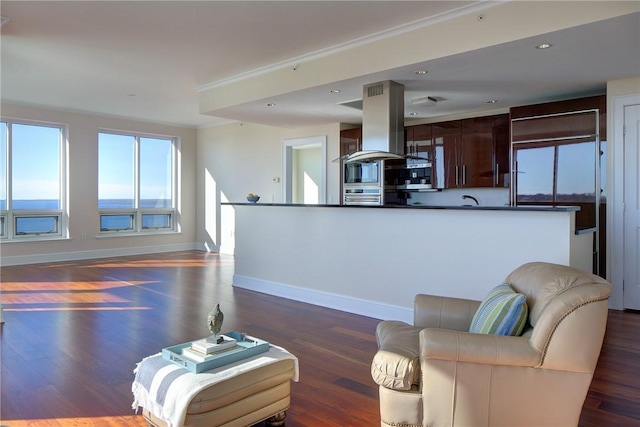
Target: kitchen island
{"type": "Point", "coordinates": [374, 260]}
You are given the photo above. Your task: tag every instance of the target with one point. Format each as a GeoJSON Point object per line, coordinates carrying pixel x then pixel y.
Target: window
{"type": "Point", "coordinates": [535, 178]}
{"type": "Point", "coordinates": [32, 195]}
{"type": "Point", "coordinates": [136, 182]}
{"type": "Point", "coordinates": [559, 173]}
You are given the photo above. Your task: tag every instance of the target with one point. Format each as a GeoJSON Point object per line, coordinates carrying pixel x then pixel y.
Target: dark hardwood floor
{"type": "Point", "coordinates": [74, 332]}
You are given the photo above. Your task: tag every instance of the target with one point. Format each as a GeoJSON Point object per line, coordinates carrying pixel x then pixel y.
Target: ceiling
{"type": "Point", "coordinates": [147, 60]}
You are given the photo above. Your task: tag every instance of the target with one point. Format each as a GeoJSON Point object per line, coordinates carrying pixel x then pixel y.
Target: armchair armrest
{"type": "Point", "coordinates": [396, 365]}
{"type": "Point", "coordinates": [483, 349]}
{"type": "Point", "coordinates": [442, 312]}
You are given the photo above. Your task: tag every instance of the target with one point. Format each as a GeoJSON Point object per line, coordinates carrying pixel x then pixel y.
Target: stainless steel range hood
{"type": "Point", "coordinates": [382, 123]}
{"type": "Point", "coordinates": [383, 117]}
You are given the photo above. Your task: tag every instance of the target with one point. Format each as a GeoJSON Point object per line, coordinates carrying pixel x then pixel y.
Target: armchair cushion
{"type": "Point", "coordinates": [502, 312]}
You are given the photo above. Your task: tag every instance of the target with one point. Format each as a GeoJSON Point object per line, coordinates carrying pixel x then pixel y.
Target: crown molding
{"type": "Point", "coordinates": [361, 41]}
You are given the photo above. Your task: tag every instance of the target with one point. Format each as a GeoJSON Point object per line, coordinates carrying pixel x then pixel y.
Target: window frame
{"type": "Point", "coordinates": [10, 216]}
{"type": "Point", "coordinates": [3, 225]}
{"type": "Point", "coordinates": [137, 213]}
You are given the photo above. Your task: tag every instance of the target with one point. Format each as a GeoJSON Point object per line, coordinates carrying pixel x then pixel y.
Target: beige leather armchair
{"type": "Point", "coordinates": [435, 373]}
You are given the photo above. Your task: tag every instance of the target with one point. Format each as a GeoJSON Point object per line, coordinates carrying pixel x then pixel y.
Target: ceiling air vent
{"type": "Point", "coordinates": [357, 104]}
{"type": "Point", "coordinates": [425, 101]}
{"type": "Point", "coordinates": [375, 90]}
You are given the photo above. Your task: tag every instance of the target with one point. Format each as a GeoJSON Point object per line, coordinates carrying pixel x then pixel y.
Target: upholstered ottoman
{"type": "Point", "coordinates": [240, 394]}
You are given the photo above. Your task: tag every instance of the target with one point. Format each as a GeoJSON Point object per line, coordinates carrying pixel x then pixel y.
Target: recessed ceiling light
{"type": "Point", "coordinates": [492, 101]}
{"type": "Point", "coordinates": [421, 72]}
{"type": "Point", "coordinates": [271, 104]}
{"type": "Point", "coordinates": [544, 46]}
{"type": "Point", "coordinates": [335, 91]}
{"type": "Point", "coordinates": [413, 114]}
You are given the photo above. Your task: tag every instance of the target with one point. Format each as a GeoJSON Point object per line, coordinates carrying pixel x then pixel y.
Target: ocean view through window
{"type": "Point", "coordinates": [32, 190]}
{"type": "Point", "coordinates": [136, 183]}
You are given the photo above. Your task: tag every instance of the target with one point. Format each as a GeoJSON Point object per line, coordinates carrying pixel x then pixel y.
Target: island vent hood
{"type": "Point", "coordinates": [382, 124]}
{"type": "Point", "coordinates": [383, 117]}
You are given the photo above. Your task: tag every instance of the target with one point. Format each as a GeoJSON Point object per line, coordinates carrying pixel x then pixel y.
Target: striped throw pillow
{"type": "Point", "coordinates": [503, 312]}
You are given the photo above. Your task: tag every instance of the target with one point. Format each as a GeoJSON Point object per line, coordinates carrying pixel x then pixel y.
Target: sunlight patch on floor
{"type": "Point", "coordinates": [75, 309]}
{"type": "Point", "coordinates": [75, 285]}
{"type": "Point", "coordinates": [157, 263]}
{"type": "Point", "coordinates": [132, 420]}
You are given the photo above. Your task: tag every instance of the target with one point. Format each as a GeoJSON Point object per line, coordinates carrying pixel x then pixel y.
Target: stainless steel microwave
{"type": "Point", "coordinates": [362, 173]}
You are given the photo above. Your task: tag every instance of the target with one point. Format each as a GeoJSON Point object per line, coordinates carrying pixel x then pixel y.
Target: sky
{"type": "Point", "coordinates": [35, 165]}
{"type": "Point", "coordinates": [35, 169]}
{"type": "Point", "coordinates": [576, 169]}
{"type": "Point", "coordinates": [116, 167]}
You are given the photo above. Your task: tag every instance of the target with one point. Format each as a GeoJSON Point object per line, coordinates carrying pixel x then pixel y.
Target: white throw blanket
{"type": "Point", "coordinates": [165, 389]}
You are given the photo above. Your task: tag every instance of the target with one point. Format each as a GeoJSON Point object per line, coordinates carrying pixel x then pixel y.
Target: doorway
{"type": "Point", "coordinates": [631, 278]}
{"type": "Point", "coordinates": [625, 248]}
{"type": "Point", "coordinates": [305, 170]}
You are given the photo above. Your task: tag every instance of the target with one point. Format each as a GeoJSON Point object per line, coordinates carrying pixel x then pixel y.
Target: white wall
{"type": "Point", "coordinates": [373, 261]}
{"type": "Point", "coordinates": [83, 191]}
{"type": "Point", "coordinates": [240, 158]}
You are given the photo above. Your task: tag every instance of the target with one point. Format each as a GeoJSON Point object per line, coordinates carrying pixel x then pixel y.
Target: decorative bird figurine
{"type": "Point", "coordinates": [214, 320]}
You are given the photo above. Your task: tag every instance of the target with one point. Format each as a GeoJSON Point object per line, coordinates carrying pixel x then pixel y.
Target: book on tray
{"type": "Point", "coordinates": [204, 349]}
{"type": "Point", "coordinates": [197, 356]}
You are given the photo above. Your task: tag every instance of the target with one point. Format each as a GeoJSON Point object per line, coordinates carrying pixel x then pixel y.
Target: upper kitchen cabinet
{"type": "Point", "coordinates": [558, 118]}
{"type": "Point", "coordinates": [446, 147]}
{"type": "Point", "coordinates": [472, 152]}
{"type": "Point", "coordinates": [477, 165]}
{"type": "Point", "coordinates": [502, 150]}
{"type": "Point", "coordinates": [419, 143]}
{"type": "Point", "coordinates": [350, 141]}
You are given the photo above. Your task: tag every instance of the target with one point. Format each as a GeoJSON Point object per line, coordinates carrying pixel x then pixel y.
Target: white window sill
{"type": "Point", "coordinates": [34, 239]}
{"type": "Point", "coordinates": [130, 234]}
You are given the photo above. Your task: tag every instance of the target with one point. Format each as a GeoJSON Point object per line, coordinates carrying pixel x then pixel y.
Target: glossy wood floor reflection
{"type": "Point", "coordinates": [74, 331]}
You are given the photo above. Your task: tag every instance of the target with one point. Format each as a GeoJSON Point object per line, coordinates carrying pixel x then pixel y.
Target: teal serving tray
{"type": "Point", "coordinates": [247, 347]}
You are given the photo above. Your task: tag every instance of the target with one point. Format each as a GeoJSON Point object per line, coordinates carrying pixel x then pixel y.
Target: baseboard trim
{"type": "Point", "coordinates": [345, 303]}
{"type": "Point", "coordinates": [102, 253]}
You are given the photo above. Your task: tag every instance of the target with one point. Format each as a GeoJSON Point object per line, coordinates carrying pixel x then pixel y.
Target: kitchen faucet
{"type": "Point", "coordinates": [466, 196]}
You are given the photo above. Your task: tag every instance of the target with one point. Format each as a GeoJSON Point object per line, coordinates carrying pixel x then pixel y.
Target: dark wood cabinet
{"type": "Point", "coordinates": [350, 141]}
{"type": "Point", "coordinates": [446, 147]}
{"type": "Point", "coordinates": [501, 129]}
{"type": "Point", "coordinates": [484, 153]}
{"type": "Point", "coordinates": [419, 143]}
{"type": "Point", "coordinates": [476, 162]}
{"type": "Point", "coordinates": [471, 152]}
{"type": "Point", "coordinates": [570, 125]}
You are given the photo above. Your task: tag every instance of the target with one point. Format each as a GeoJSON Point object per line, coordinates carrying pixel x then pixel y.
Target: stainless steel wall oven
{"type": "Point", "coordinates": [363, 183]}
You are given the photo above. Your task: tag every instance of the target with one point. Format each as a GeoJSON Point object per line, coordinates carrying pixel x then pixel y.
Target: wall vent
{"type": "Point", "coordinates": [375, 90]}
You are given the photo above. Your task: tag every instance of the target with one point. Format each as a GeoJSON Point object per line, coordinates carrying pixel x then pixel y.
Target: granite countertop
{"type": "Point", "coordinates": [527, 208]}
